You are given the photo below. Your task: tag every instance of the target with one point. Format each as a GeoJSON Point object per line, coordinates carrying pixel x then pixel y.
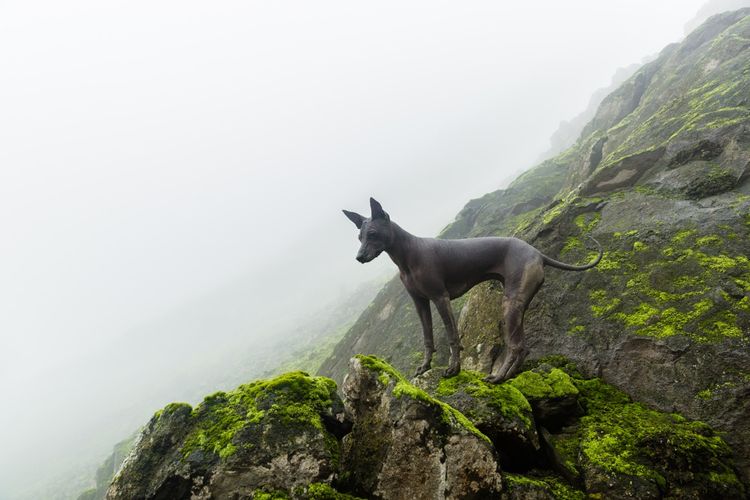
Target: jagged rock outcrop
{"type": "Point", "coordinates": [501, 412]}
{"type": "Point", "coordinates": [661, 177]}
{"type": "Point", "coordinates": [290, 438]}
{"type": "Point", "coordinates": [106, 471]}
{"type": "Point", "coordinates": [405, 444]}
{"type": "Point", "coordinates": [279, 434]}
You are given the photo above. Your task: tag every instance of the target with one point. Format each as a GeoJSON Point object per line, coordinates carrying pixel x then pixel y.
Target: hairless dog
{"type": "Point", "coordinates": [440, 270]}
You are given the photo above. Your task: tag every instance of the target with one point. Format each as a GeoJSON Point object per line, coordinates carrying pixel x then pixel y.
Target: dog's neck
{"type": "Point", "coordinates": [400, 249]}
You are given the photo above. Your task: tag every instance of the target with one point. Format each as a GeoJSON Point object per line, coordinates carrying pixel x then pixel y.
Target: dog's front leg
{"type": "Point", "coordinates": [425, 317]}
{"type": "Point", "coordinates": [443, 305]}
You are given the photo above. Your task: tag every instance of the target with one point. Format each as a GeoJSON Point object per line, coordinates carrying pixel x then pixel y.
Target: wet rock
{"type": "Point", "coordinates": [626, 450]}
{"type": "Point", "coordinates": [538, 487]}
{"type": "Point", "coordinates": [480, 326]}
{"type": "Point", "coordinates": [500, 412]}
{"type": "Point", "coordinates": [407, 445]}
{"type": "Point", "coordinates": [552, 394]}
{"type": "Point", "coordinates": [269, 435]}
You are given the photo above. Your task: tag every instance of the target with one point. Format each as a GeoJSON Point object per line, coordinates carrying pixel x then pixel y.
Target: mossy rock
{"type": "Point", "coordinates": [314, 491]}
{"type": "Point", "coordinates": [552, 394]}
{"type": "Point", "coordinates": [408, 444]}
{"type": "Point", "coordinates": [267, 437]}
{"type": "Point", "coordinates": [500, 412]}
{"type": "Point", "coordinates": [480, 326]}
{"type": "Point", "coordinates": [617, 448]}
{"type": "Point", "coordinates": [624, 450]}
{"type": "Point", "coordinates": [539, 487]}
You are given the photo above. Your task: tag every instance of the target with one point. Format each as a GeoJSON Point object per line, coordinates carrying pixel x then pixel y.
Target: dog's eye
{"type": "Point", "coordinates": [372, 234]}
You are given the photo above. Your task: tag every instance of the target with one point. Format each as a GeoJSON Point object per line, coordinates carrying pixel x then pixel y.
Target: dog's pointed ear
{"type": "Point", "coordinates": [354, 217]}
{"type": "Point", "coordinates": [377, 210]}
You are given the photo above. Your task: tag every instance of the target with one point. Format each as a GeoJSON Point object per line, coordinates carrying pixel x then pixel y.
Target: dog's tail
{"type": "Point", "coordinates": [568, 267]}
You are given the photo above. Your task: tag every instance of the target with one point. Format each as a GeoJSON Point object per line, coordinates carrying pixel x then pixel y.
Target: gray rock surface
{"type": "Point", "coordinates": [407, 445]}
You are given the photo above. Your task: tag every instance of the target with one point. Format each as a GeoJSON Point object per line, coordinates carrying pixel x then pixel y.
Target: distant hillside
{"type": "Point", "coordinates": [659, 176]}
{"type": "Point", "coordinates": [711, 8]}
{"type": "Point", "coordinates": [569, 130]}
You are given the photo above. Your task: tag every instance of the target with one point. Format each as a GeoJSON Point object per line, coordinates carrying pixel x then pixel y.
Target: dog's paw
{"type": "Point", "coordinates": [421, 371]}
{"type": "Point", "coordinates": [452, 371]}
{"type": "Point", "coordinates": [493, 379]}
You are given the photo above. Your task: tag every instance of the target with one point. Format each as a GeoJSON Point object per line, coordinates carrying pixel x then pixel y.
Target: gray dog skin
{"type": "Point", "coordinates": [441, 270]}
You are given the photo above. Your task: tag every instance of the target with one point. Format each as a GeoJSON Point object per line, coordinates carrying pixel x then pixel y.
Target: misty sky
{"type": "Point", "coordinates": [154, 153]}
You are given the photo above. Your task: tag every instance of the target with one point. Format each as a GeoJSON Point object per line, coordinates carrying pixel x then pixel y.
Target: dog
{"type": "Point", "coordinates": [440, 270]}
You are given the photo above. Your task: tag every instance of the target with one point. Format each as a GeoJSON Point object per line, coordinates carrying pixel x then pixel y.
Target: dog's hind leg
{"type": "Point", "coordinates": [518, 295]}
{"type": "Point", "coordinates": [443, 305]}
{"type": "Point", "coordinates": [425, 317]}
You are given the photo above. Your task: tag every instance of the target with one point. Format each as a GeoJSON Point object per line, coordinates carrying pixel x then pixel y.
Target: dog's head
{"type": "Point", "coordinates": [375, 233]}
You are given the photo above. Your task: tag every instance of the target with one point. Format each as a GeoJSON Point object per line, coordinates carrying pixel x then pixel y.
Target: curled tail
{"type": "Point", "coordinates": [568, 267]}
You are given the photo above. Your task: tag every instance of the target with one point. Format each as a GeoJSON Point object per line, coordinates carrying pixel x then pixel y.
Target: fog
{"type": "Point", "coordinates": [172, 175]}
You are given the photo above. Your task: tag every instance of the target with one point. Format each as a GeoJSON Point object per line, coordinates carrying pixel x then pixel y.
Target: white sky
{"type": "Point", "coordinates": [152, 153]}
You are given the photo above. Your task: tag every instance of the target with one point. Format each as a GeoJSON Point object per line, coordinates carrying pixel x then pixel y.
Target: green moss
{"type": "Point", "coordinates": [294, 400]}
{"type": "Point", "coordinates": [551, 484]}
{"type": "Point", "coordinates": [586, 222]}
{"type": "Point", "coordinates": [576, 329]}
{"type": "Point", "coordinates": [554, 384]}
{"type": "Point", "coordinates": [639, 246]}
{"type": "Point", "coordinates": [681, 236]}
{"type": "Point", "coordinates": [270, 495]}
{"type": "Point", "coordinates": [505, 398]}
{"type": "Point", "coordinates": [171, 408]}
{"type": "Point", "coordinates": [667, 291]}
{"type": "Point", "coordinates": [623, 437]}
{"type": "Point", "coordinates": [323, 491]}
{"type": "Point", "coordinates": [717, 389]}
{"type": "Point", "coordinates": [559, 208]}
{"type": "Point", "coordinates": [708, 240]}
{"type": "Point", "coordinates": [626, 234]}
{"type": "Point", "coordinates": [556, 361]}
{"type": "Point", "coordinates": [403, 388]}
{"type": "Point", "coordinates": [376, 364]}
{"type": "Point", "coordinates": [601, 303]}
{"type": "Point", "coordinates": [568, 447]}
{"type": "Point", "coordinates": [639, 317]}
{"type": "Point", "coordinates": [571, 243]}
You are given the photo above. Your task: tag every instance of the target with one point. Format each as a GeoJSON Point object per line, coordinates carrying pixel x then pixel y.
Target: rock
{"type": "Point", "coordinates": [625, 450]}
{"type": "Point", "coordinates": [480, 324]}
{"type": "Point", "coordinates": [278, 439]}
{"type": "Point", "coordinates": [500, 412]}
{"type": "Point", "coordinates": [406, 444]}
{"type": "Point", "coordinates": [536, 487]}
{"type": "Point", "coordinates": [553, 397]}
{"type": "Point", "coordinates": [270, 435]}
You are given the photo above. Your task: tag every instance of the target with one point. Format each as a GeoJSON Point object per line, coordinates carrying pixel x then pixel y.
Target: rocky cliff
{"type": "Point", "coordinates": [638, 377]}
{"type": "Point", "coordinates": [548, 433]}
{"type": "Point", "coordinates": [660, 176]}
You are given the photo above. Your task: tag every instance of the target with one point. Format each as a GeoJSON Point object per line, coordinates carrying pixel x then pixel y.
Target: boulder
{"type": "Point", "coordinates": [551, 393]}
{"type": "Point", "coordinates": [405, 444]}
{"type": "Point", "coordinates": [501, 412]}
{"type": "Point", "coordinates": [275, 435]}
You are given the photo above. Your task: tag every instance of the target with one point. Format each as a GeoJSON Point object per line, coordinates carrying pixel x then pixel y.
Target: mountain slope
{"type": "Point", "coordinates": [660, 177]}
